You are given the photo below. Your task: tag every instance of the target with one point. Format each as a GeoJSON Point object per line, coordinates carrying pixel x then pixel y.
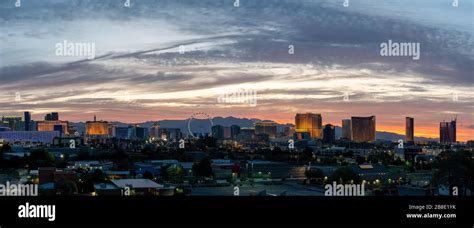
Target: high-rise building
{"type": "Point", "coordinates": [59, 128]}
{"type": "Point", "coordinates": [268, 128]}
{"type": "Point", "coordinates": [301, 136]}
{"type": "Point", "coordinates": [444, 132]}
{"type": "Point", "coordinates": [121, 132]}
{"type": "Point", "coordinates": [217, 131]}
{"type": "Point", "coordinates": [329, 134]}
{"type": "Point", "coordinates": [288, 131]}
{"type": "Point", "coordinates": [33, 125]}
{"type": "Point", "coordinates": [409, 130]}
{"type": "Point", "coordinates": [27, 119]}
{"type": "Point", "coordinates": [452, 130]}
{"type": "Point", "coordinates": [346, 129]}
{"type": "Point", "coordinates": [97, 128]}
{"type": "Point", "coordinates": [29, 136]}
{"type": "Point", "coordinates": [363, 129]}
{"type": "Point", "coordinates": [50, 125]}
{"type": "Point", "coordinates": [309, 122]}
{"type": "Point", "coordinates": [447, 132]}
{"type": "Point", "coordinates": [13, 122]}
{"type": "Point", "coordinates": [221, 132]}
{"type": "Point", "coordinates": [112, 128]}
{"type": "Point", "coordinates": [173, 134]}
{"type": "Point", "coordinates": [54, 116]}
{"type": "Point", "coordinates": [234, 131]}
{"type": "Point", "coordinates": [141, 132]}
{"type": "Point", "coordinates": [227, 132]}
{"type": "Point", "coordinates": [246, 133]}
{"type": "Point", "coordinates": [131, 132]}
{"type": "Point", "coordinates": [155, 130]}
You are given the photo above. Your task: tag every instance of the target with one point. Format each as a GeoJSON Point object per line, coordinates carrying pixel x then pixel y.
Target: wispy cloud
{"type": "Point", "coordinates": [139, 67]}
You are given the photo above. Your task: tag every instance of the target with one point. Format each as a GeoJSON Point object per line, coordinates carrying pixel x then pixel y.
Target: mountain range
{"type": "Point", "coordinates": [204, 126]}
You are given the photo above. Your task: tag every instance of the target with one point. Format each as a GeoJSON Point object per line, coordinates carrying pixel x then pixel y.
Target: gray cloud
{"type": "Point", "coordinates": [235, 46]}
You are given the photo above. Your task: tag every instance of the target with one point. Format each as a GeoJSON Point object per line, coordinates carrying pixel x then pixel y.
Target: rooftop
{"type": "Point", "coordinates": [104, 186]}
{"type": "Point", "coordinates": [136, 183]}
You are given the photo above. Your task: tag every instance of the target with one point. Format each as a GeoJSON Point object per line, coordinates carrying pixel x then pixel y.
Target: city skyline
{"type": "Point", "coordinates": [94, 118]}
{"type": "Point", "coordinates": [306, 110]}
{"type": "Point", "coordinates": [146, 75]}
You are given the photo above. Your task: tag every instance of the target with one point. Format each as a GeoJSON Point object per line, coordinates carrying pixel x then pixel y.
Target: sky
{"type": "Point", "coordinates": [168, 59]}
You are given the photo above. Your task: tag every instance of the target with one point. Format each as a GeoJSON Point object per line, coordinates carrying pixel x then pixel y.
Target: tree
{"type": "Point", "coordinates": [149, 152]}
{"type": "Point", "coordinates": [203, 168]}
{"type": "Point", "coordinates": [176, 173]}
{"type": "Point", "coordinates": [455, 169]}
{"type": "Point", "coordinates": [148, 175]}
{"type": "Point", "coordinates": [98, 176]}
{"type": "Point", "coordinates": [360, 160]}
{"type": "Point", "coordinates": [408, 166]}
{"type": "Point", "coordinates": [65, 187]}
{"type": "Point", "coordinates": [230, 155]}
{"type": "Point", "coordinates": [170, 173]}
{"type": "Point", "coordinates": [40, 158]}
{"type": "Point", "coordinates": [62, 163]}
{"type": "Point", "coordinates": [122, 159]}
{"type": "Point", "coordinates": [348, 154]}
{"type": "Point", "coordinates": [2, 165]}
{"type": "Point", "coordinates": [83, 154]}
{"type": "Point", "coordinates": [165, 175]}
{"type": "Point", "coordinates": [470, 176]}
{"type": "Point", "coordinates": [276, 151]}
{"type": "Point", "coordinates": [85, 183]}
{"type": "Point", "coordinates": [314, 175]}
{"type": "Point", "coordinates": [345, 175]}
{"type": "Point", "coordinates": [180, 155]}
{"type": "Point", "coordinates": [398, 162]}
{"type": "Point", "coordinates": [329, 160]}
{"type": "Point", "coordinates": [307, 155]}
{"type": "Point", "coordinates": [6, 148]}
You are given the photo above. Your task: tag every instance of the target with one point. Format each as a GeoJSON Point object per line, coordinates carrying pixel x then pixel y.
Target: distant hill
{"type": "Point", "coordinates": [204, 126]}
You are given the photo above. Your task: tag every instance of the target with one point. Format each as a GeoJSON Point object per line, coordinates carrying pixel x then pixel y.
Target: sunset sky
{"type": "Point", "coordinates": [139, 75]}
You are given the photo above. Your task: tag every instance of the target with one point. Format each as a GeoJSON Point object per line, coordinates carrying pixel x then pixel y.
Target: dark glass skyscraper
{"type": "Point", "coordinates": [268, 128]}
{"type": "Point", "coordinates": [217, 131]}
{"type": "Point", "coordinates": [141, 132]}
{"type": "Point", "coordinates": [54, 116]}
{"type": "Point", "coordinates": [409, 130]}
{"type": "Point", "coordinates": [363, 129]}
{"type": "Point", "coordinates": [234, 131]}
{"type": "Point", "coordinates": [27, 119]}
{"type": "Point", "coordinates": [12, 122]}
{"type": "Point", "coordinates": [121, 132]}
{"type": "Point", "coordinates": [59, 128]}
{"type": "Point", "coordinates": [447, 132]}
{"type": "Point", "coordinates": [329, 134]}
{"type": "Point", "coordinates": [346, 129]}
